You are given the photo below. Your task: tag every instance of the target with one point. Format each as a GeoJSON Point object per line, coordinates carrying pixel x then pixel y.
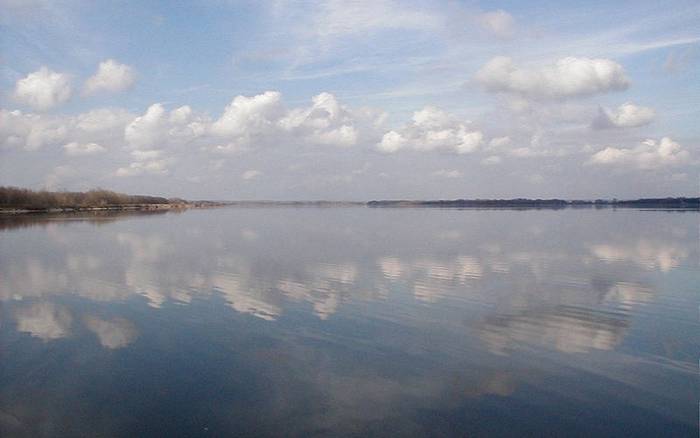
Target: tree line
{"type": "Point", "coordinates": [20, 198]}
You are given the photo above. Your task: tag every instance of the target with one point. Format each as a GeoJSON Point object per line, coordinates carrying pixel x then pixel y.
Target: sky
{"type": "Point", "coordinates": [352, 100]}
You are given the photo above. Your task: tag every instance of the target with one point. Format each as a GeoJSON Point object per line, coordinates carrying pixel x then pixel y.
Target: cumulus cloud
{"type": "Point", "coordinates": [103, 119]}
{"type": "Point", "coordinates": [627, 115]}
{"type": "Point", "coordinates": [567, 77]}
{"type": "Point", "coordinates": [111, 77]}
{"type": "Point", "coordinates": [247, 123]}
{"type": "Point", "coordinates": [325, 122]}
{"type": "Point", "coordinates": [30, 131]}
{"type": "Point", "coordinates": [157, 126]}
{"type": "Point", "coordinates": [432, 129]}
{"type": "Point", "coordinates": [247, 116]}
{"type": "Point", "coordinates": [74, 148]}
{"type": "Point", "coordinates": [498, 23]}
{"type": "Point", "coordinates": [650, 154]}
{"type": "Point", "coordinates": [264, 120]}
{"type": "Point", "coordinates": [146, 129]}
{"type": "Point", "coordinates": [43, 89]}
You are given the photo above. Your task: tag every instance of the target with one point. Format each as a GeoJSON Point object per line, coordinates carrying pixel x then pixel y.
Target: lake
{"type": "Point", "coordinates": [350, 322]}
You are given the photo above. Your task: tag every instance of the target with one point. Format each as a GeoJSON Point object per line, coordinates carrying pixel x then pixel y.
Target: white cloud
{"type": "Point", "coordinates": [75, 148]}
{"type": "Point", "coordinates": [247, 116]}
{"type": "Point", "coordinates": [158, 127]}
{"type": "Point", "coordinates": [649, 154]}
{"type": "Point", "coordinates": [43, 89]}
{"type": "Point", "coordinates": [156, 137]}
{"type": "Point", "coordinates": [627, 115]}
{"type": "Point", "coordinates": [432, 129]}
{"type": "Point", "coordinates": [325, 122]}
{"type": "Point", "coordinates": [111, 77]}
{"type": "Point", "coordinates": [498, 23]}
{"type": "Point", "coordinates": [251, 174]}
{"type": "Point", "coordinates": [145, 130]}
{"type": "Point", "coordinates": [263, 120]}
{"type": "Point", "coordinates": [30, 131]}
{"type": "Point", "coordinates": [567, 77]}
{"type": "Point", "coordinates": [103, 119]}
{"type": "Point", "coordinates": [181, 115]}
{"type": "Point", "coordinates": [392, 142]}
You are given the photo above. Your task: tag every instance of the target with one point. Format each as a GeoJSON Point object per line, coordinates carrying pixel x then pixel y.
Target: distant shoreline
{"type": "Point", "coordinates": [15, 200]}
{"type": "Point", "coordinates": [149, 207]}
{"type": "Point", "coordinates": [682, 203]}
{"type": "Point", "coordinates": [114, 208]}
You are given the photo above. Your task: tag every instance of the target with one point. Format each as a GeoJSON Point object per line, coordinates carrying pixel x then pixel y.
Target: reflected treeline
{"type": "Point", "coordinates": [511, 284]}
{"type": "Point", "coordinates": [12, 221]}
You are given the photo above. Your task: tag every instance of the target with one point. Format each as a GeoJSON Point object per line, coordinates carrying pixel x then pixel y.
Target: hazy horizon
{"type": "Point", "coordinates": [352, 101]}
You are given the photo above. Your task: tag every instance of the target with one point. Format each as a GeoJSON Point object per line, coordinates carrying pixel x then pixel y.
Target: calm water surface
{"type": "Point", "coordinates": [350, 321]}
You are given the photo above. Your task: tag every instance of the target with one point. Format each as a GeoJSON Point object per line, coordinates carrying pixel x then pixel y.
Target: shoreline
{"type": "Point", "coordinates": [105, 201]}
{"type": "Point", "coordinates": [680, 203]}
{"type": "Point", "coordinates": [9, 212]}
{"type": "Point", "coordinates": [115, 208]}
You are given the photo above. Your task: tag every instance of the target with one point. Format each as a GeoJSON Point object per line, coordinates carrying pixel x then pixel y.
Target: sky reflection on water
{"type": "Point", "coordinates": [350, 321]}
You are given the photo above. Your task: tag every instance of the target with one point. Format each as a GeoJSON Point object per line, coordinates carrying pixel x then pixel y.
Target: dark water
{"type": "Point", "coordinates": [351, 321]}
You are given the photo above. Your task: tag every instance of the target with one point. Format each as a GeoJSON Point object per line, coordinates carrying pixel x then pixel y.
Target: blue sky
{"type": "Point", "coordinates": [351, 100]}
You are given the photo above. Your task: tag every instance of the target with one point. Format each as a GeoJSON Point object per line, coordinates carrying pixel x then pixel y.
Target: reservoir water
{"type": "Point", "coordinates": [350, 322]}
